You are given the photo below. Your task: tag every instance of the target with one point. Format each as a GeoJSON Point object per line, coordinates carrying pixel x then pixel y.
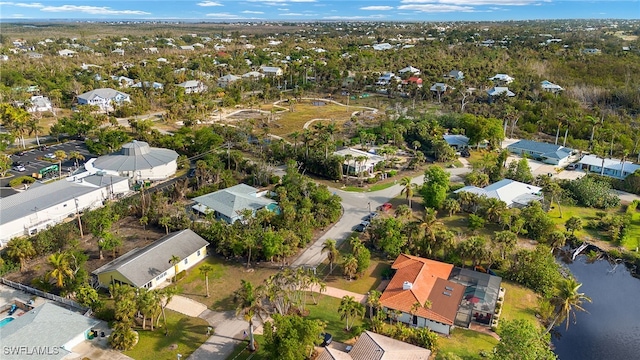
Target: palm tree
{"type": "Point", "coordinates": [373, 301]}
{"type": "Point", "coordinates": [61, 268]}
{"type": "Point", "coordinates": [21, 249]}
{"type": "Point", "coordinates": [329, 246]}
{"type": "Point", "coordinates": [429, 226]}
{"type": "Point", "coordinates": [414, 309]}
{"type": "Point", "coordinates": [350, 266]}
{"type": "Point", "coordinates": [175, 260]}
{"type": "Point", "coordinates": [76, 156]}
{"type": "Point", "coordinates": [347, 158]}
{"type": "Point", "coordinates": [349, 308]}
{"type": "Point", "coordinates": [407, 189]}
{"type": "Point", "coordinates": [567, 300]}
{"type": "Point", "coordinates": [33, 127]}
{"type": "Point", "coordinates": [451, 205]}
{"type": "Point", "coordinates": [60, 156]}
{"type": "Point", "coordinates": [205, 269]}
{"type": "Point", "coordinates": [165, 221]}
{"type": "Point", "coordinates": [166, 295]}
{"type": "Point", "coordinates": [249, 304]}
{"type": "Point", "coordinates": [403, 212]}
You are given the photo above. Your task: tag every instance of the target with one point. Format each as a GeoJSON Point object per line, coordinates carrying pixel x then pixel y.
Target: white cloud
{"type": "Point", "coordinates": [25, 5]}
{"type": "Point", "coordinates": [283, 9]}
{"type": "Point", "coordinates": [93, 10]}
{"type": "Point", "coordinates": [467, 3]}
{"type": "Point", "coordinates": [377, 8]}
{"type": "Point", "coordinates": [292, 14]}
{"type": "Point", "coordinates": [436, 8]}
{"type": "Point", "coordinates": [252, 12]}
{"type": "Point", "coordinates": [224, 16]}
{"type": "Point", "coordinates": [209, 3]}
{"type": "Point", "coordinates": [303, 1]}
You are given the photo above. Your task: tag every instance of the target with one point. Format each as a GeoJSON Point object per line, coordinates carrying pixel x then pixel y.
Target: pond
{"type": "Point", "coordinates": [611, 328]}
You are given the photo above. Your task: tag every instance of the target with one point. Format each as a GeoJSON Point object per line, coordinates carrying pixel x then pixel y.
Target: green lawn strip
{"type": "Point", "coordinates": [241, 351]}
{"type": "Point", "coordinates": [353, 189]}
{"type": "Point", "coordinates": [382, 186]}
{"type": "Point", "coordinates": [467, 344]}
{"type": "Point", "coordinates": [631, 240]}
{"type": "Point", "coordinates": [327, 311]}
{"type": "Point", "coordinates": [186, 332]}
{"type": "Point", "coordinates": [223, 281]}
{"type": "Point", "coordinates": [519, 303]}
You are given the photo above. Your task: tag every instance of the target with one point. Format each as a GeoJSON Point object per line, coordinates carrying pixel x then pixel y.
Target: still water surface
{"type": "Point", "coordinates": [611, 329]}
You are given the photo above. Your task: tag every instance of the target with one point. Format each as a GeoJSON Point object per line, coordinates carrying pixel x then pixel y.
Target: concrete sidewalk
{"type": "Point", "coordinates": [228, 333]}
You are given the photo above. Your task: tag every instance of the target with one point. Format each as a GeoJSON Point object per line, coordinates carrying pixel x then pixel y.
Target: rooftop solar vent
{"type": "Point", "coordinates": [447, 293]}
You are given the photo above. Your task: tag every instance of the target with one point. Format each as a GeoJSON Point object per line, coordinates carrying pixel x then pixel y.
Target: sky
{"type": "Point", "coordinates": [324, 10]}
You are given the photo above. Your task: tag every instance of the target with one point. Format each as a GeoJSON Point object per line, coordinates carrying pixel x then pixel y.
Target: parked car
{"type": "Point", "coordinates": [361, 227]}
{"type": "Point", "coordinates": [572, 167]}
{"type": "Point", "coordinates": [192, 173]}
{"type": "Point", "coordinates": [50, 156]}
{"type": "Point", "coordinates": [20, 153]}
{"type": "Point", "coordinates": [20, 168]}
{"type": "Point", "coordinates": [326, 339]}
{"type": "Point", "coordinates": [371, 216]}
{"type": "Point", "coordinates": [44, 148]}
{"type": "Point", "coordinates": [385, 207]}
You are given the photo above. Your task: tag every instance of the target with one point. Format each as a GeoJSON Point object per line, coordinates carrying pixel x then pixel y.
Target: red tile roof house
{"type": "Point", "coordinates": [413, 80]}
{"type": "Point", "coordinates": [417, 280]}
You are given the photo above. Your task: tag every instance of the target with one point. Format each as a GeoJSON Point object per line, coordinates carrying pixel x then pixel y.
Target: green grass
{"type": "Point", "coordinates": [223, 281]}
{"type": "Point", "coordinates": [584, 213]}
{"type": "Point", "coordinates": [327, 311]}
{"type": "Point", "coordinates": [370, 280]}
{"type": "Point", "coordinates": [519, 303]}
{"type": "Point", "coordinates": [187, 332]}
{"type": "Point", "coordinates": [381, 186]}
{"type": "Point", "coordinates": [241, 352]}
{"type": "Point", "coordinates": [467, 344]}
{"type": "Point", "coordinates": [353, 189]}
{"type": "Point", "coordinates": [632, 239]}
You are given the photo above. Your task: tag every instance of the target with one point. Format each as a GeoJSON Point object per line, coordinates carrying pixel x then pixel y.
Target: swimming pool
{"type": "Point", "coordinates": [5, 321]}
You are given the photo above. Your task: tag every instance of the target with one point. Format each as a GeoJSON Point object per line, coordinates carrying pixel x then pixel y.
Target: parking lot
{"type": "Point", "coordinates": [34, 159]}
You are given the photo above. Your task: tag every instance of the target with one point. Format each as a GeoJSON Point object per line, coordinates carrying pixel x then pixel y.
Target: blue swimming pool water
{"type": "Point", "coordinates": [5, 321]}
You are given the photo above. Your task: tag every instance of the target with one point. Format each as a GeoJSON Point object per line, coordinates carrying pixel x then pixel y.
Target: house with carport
{"type": "Point", "coordinates": [358, 161]}
{"type": "Point", "coordinates": [614, 168]}
{"type": "Point", "coordinates": [150, 266]}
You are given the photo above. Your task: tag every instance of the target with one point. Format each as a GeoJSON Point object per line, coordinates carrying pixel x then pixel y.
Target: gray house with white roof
{"type": "Point", "coordinates": [149, 266]}
{"type": "Point", "coordinates": [228, 204]}
{"type": "Point", "coordinates": [545, 152]}
{"type": "Point", "coordinates": [614, 168]}
{"type": "Point", "coordinates": [511, 192]}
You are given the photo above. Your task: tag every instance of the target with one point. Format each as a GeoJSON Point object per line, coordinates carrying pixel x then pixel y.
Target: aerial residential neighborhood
{"type": "Point", "coordinates": [344, 189]}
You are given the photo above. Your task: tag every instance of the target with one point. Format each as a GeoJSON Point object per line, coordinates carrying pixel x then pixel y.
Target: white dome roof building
{"type": "Point", "coordinates": [138, 161]}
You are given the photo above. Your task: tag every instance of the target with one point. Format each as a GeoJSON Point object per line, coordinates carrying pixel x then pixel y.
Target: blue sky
{"type": "Point", "coordinates": [294, 10]}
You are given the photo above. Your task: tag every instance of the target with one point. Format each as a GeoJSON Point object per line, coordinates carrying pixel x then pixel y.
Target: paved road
{"type": "Point", "coordinates": [356, 206]}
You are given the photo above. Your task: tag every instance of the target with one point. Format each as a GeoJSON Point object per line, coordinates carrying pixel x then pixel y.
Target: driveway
{"type": "Point", "coordinates": [228, 332]}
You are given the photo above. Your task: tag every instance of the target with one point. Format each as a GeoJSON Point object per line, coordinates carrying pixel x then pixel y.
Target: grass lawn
{"type": "Point", "coordinates": [304, 111]}
{"type": "Point", "coordinates": [369, 281]}
{"type": "Point", "coordinates": [632, 239]}
{"type": "Point", "coordinates": [223, 281]}
{"type": "Point", "coordinates": [467, 344]}
{"type": "Point", "coordinates": [584, 213]}
{"type": "Point", "coordinates": [381, 186]}
{"type": "Point", "coordinates": [327, 311]}
{"type": "Point", "coordinates": [353, 189]}
{"type": "Point", "coordinates": [519, 302]}
{"type": "Point", "coordinates": [241, 352]}
{"type": "Point", "coordinates": [187, 332]}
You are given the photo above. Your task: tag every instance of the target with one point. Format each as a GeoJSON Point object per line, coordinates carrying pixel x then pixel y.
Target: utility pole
{"type": "Point", "coordinates": [79, 221]}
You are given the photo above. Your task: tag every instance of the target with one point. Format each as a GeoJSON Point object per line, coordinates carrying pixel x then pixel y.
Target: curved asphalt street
{"type": "Point", "coordinates": [356, 207]}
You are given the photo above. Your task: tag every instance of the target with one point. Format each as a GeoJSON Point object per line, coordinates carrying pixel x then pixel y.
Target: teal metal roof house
{"type": "Point", "coordinates": [228, 204]}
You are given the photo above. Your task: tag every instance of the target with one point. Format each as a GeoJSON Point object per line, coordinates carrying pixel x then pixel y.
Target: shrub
{"type": "Point", "coordinates": [19, 181]}
{"type": "Point", "coordinates": [592, 192]}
